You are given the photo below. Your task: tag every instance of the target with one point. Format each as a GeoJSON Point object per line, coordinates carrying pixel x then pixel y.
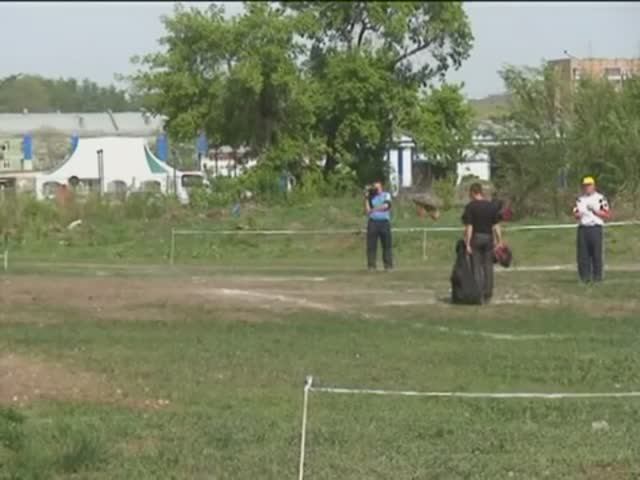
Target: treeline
{"type": "Point", "coordinates": [37, 94]}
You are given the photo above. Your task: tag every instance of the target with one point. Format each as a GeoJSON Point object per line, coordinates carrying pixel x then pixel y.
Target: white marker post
{"type": "Point", "coordinates": [172, 252]}
{"type": "Point", "coordinates": [424, 245]}
{"type": "Point", "coordinates": [303, 436]}
{"type": "Point", "coordinates": [5, 262]}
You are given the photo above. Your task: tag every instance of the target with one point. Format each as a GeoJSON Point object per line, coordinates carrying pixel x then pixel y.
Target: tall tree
{"type": "Point", "coordinates": [538, 120]}
{"type": "Point", "coordinates": [370, 59]}
{"type": "Point", "coordinates": [237, 79]}
{"type": "Point", "coordinates": [443, 124]}
{"type": "Point", "coordinates": [605, 139]}
{"type": "Point", "coordinates": [285, 79]}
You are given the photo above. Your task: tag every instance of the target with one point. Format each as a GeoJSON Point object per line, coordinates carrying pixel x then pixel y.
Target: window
{"type": "Point", "coordinates": [612, 72]}
{"type": "Point", "coordinates": [151, 186]}
{"type": "Point", "coordinates": [191, 181]}
{"type": "Point", "coordinates": [576, 74]}
{"type": "Point", "coordinates": [49, 189]}
{"type": "Point", "coordinates": [117, 186]}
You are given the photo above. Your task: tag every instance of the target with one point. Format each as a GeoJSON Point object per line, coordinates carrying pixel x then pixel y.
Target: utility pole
{"type": "Point", "coordinates": [100, 154]}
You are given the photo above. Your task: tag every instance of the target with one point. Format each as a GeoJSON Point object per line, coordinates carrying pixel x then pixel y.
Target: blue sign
{"type": "Point", "coordinates": [74, 142]}
{"type": "Point", "coordinates": [162, 148]}
{"type": "Point", "coordinates": [202, 146]}
{"type": "Point", "coordinates": [27, 147]}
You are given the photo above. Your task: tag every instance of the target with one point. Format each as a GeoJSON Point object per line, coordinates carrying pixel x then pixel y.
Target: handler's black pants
{"type": "Point", "coordinates": [379, 229]}
{"type": "Point", "coordinates": [482, 261]}
{"type": "Point", "coordinates": [589, 245]}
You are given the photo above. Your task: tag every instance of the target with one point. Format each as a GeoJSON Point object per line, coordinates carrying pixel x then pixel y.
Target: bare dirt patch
{"type": "Point", "coordinates": [606, 471]}
{"type": "Point", "coordinates": [130, 298]}
{"type": "Point", "coordinates": [24, 380]}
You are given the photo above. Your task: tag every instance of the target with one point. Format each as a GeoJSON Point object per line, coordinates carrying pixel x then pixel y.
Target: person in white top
{"type": "Point", "coordinates": [591, 211]}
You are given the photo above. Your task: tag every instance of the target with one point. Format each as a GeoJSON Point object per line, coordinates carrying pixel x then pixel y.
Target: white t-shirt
{"type": "Point", "coordinates": [587, 205]}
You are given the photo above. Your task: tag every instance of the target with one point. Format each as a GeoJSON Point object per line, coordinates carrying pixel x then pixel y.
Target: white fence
{"type": "Point", "coordinates": [424, 230]}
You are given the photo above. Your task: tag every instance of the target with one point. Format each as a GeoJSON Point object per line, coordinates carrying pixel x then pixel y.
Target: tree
{"type": "Point", "coordinates": [443, 125]}
{"type": "Point", "coordinates": [356, 113]}
{"type": "Point", "coordinates": [534, 133]}
{"type": "Point", "coordinates": [301, 79]}
{"type": "Point", "coordinates": [38, 94]}
{"type": "Point", "coordinates": [606, 135]}
{"type": "Point", "coordinates": [25, 92]}
{"type": "Point", "coordinates": [370, 60]}
{"type": "Point", "coordinates": [184, 82]}
{"type": "Point", "coordinates": [237, 79]}
{"type": "Point", "coordinates": [593, 129]}
{"type": "Point", "coordinates": [397, 31]}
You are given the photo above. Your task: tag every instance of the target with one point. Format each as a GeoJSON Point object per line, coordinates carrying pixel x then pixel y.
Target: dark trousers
{"type": "Point", "coordinates": [590, 253]}
{"type": "Point", "coordinates": [482, 262]}
{"type": "Point", "coordinates": [379, 229]}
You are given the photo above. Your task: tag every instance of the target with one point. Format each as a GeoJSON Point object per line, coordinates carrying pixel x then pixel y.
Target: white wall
{"type": "Point", "coordinates": [407, 167]}
{"type": "Point", "coordinates": [476, 163]}
{"type": "Point", "coordinates": [482, 170]}
{"type": "Point", "coordinates": [396, 181]}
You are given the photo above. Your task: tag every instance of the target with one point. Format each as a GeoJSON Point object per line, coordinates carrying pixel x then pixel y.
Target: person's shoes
{"type": "Point", "coordinates": [372, 269]}
{"type": "Point", "coordinates": [388, 270]}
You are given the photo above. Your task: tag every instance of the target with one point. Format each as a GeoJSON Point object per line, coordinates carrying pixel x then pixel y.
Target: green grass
{"type": "Point", "coordinates": [232, 371]}
{"type": "Point", "coordinates": [235, 387]}
{"type": "Point", "coordinates": [113, 236]}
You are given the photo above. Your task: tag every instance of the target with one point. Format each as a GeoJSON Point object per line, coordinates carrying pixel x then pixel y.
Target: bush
{"type": "Point", "coordinates": [445, 190]}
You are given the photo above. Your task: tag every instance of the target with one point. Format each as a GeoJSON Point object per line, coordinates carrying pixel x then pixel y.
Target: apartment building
{"type": "Point", "coordinates": [616, 70]}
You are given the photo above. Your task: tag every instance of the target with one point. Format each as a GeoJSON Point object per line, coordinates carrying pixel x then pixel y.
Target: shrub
{"type": "Point", "coordinates": [445, 190]}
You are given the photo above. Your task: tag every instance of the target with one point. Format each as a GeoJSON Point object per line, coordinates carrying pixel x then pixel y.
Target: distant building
{"type": "Point", "coordinates": [51, 133]}
{"type": "Point", "coordinates": [616, 70]}
{"type": "Point", "coordinates": [227, 162]}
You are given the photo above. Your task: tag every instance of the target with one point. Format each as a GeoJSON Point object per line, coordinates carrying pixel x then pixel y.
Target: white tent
{"type": "Point", "coordinates": [126, 165]}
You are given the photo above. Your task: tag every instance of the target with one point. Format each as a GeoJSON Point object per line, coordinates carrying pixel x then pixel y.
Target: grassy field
{"type": "Point", "coordinates": [197, 373]}
{"type": "Point", "coordinates": [115, 365]}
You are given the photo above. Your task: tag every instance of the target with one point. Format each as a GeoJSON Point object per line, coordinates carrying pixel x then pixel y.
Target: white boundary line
{"type": "Point", "coordinates": [504, 336]}
{"type": "Point", "coordinates": [308, 387]}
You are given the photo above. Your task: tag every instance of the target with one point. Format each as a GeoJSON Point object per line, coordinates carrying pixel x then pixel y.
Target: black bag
{"type": "Point", "coordinates": [464, 288]}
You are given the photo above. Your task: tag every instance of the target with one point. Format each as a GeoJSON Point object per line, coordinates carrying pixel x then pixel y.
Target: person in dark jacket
{"type": "Point", "coordinates": [482, 234]}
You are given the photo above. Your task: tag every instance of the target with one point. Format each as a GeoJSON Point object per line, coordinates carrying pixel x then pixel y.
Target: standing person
{"type": "Point", "coordinates": [482, 235]}
{"type": "Point", "coordinates": [591, 210]}
{"type": "Point", "coordinates": [378, 208]}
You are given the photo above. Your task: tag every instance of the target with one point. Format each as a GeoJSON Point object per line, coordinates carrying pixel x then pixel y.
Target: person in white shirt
{"type": "Point", "coordinates": [591, 211]}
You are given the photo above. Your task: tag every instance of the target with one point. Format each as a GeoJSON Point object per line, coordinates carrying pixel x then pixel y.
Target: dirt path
{"type": "Point", "coordinates": [131, 298]}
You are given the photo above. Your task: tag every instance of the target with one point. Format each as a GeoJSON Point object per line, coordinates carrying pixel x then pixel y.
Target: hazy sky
{"type": "Point", "coordinates": [96, 40]}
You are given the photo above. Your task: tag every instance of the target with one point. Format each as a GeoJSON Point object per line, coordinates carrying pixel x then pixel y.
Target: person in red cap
{"type": "Point", "coordinates": [591, 211]}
